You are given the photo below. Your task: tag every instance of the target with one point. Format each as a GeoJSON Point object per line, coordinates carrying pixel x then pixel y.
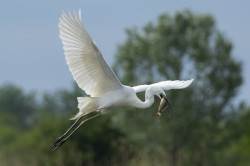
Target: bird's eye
{"type": "Point", "coordinates": [161, 95]}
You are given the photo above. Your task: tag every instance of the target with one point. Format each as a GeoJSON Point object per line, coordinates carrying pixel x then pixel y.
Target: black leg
{"type": "Point", "coordinates": [57, 140]}
{"type": "Point", "coordinates": [62, 140]}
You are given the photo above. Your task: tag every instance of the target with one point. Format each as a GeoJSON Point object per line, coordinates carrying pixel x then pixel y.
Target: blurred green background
{"type": "Point", "coordinates": [206, 126]}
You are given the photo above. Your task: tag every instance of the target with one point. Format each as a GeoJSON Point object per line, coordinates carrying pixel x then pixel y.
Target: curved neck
{"type": "Point", "coordinates": [147, 103]}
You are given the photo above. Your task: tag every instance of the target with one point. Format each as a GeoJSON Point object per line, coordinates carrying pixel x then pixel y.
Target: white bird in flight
{"type": "Point", "coordinates": [93, 75]}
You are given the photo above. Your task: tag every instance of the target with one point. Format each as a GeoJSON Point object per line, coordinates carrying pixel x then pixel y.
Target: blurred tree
{"type": "Point", "coordinates": [238, 134]}
{"type": "Point", "coordinates": [183, 46]}
{"type": "Point", "coordinates": [62, 101]}
{"type": "Point", "coordinates": [96, 143]}
{"type": "Point", "coordinates": [88, 147]}
{"type": "Point", "coordinates": [16, 106]}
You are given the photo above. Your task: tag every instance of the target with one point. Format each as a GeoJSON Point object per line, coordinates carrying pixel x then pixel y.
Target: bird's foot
{"type": "Point", "coordinates": [57, 140]}
{"type": "Point", "coordinates": [57, 143]}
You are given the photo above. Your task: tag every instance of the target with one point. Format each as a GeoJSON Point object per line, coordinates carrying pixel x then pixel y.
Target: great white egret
{"type": "Point", "coordinates": [93, 75]}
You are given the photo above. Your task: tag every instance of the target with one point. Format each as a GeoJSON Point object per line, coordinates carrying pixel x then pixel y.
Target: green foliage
{"type": "Point", "coordinates": [62, 101]}
{"type": "Point", "coordinates": [183, 46]}
{"type": "Point", "coordinates": [239, 149]}
{"type": "Point", "coordinates": [97, 143]}
{"type": "Point", "coordinates": [16, 103]}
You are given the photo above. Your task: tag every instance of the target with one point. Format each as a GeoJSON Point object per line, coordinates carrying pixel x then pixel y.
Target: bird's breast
{"type": "Point", "coordinates": [118, 98]}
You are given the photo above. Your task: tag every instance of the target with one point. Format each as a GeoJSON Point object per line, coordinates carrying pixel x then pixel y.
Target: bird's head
{"type": "Point", "coordinates": [158, 91]}
{"type": "Point", "coordinates": [155, 91]}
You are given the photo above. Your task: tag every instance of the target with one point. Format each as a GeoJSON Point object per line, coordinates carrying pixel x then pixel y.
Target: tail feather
{"type": "Point", "coordinates": [86, 105]}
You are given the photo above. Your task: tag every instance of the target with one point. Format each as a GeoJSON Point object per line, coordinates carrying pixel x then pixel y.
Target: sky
{"type": "Point", "coordinates": [31, 52]}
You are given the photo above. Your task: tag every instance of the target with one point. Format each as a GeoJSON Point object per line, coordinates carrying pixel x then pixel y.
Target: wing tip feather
{"type": "Point", "coordinates": [80, 14]}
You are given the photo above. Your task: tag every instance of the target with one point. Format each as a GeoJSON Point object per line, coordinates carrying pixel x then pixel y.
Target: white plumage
{"type": "Point", "coordinates": [84, 59]}
{"type": "Point", "coordinates": [93, 75]}
{"type": "Point", "coordinates": [165, 85]}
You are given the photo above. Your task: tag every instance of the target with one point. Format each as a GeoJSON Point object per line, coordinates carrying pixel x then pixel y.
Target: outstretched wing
{"type": "Point", "coordinates": [85, 61]}
{"type": "Point", "coordinates": [165, 85]}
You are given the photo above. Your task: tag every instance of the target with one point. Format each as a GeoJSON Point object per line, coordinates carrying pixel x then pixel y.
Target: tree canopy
{"type": "Point", "coordinates": [182, 46]}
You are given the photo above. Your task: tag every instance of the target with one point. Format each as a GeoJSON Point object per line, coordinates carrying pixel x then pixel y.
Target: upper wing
{"type": "Point", "coordinates": [85, 61]}
{"type": "Point", "coordinates": [165, 85]}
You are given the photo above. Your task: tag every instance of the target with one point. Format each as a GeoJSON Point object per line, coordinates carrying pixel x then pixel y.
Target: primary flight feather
{"type": "Point", "coordinates": [93, 75]}
{"type": "Point", "coordinates": [85, 61]}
